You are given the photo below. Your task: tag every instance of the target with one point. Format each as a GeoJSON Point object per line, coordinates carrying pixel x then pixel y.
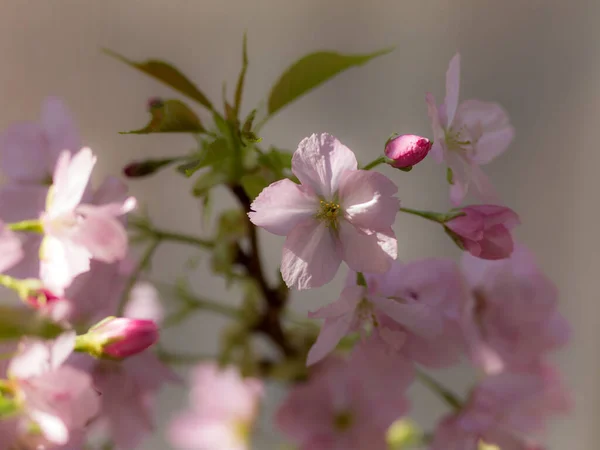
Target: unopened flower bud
{"type": "Point", "coordinates": [155, 102]}
{"type": "Point", "coordinates": [120, 337]}
{"type": "Point", "coordinates": [407, 150]}
{"type": "Point", "coordinates": [138, 169]}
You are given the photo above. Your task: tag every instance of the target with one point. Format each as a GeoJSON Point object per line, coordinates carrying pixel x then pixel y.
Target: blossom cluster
{"type": "Point", "coordinates": [65, 253]}
{"type": "Point", "coordinates": [496, 307]}
{"type": "Point", "coordinates": [77, 359]}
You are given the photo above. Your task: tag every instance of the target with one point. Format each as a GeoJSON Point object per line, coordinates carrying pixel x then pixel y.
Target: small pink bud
{"type": "Point", "coordinates": [121, 337]}
{"type": "Point", "coordinates": [41, 298]}
{"type": "Point", "coordinates": [407, 150]}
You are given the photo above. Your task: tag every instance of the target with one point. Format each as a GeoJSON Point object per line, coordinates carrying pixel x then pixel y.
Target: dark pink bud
{"type": "Point", "coordinates": [484, 230]}
{"type": "Point", "coordinates": [407, 150]}
{"type": "Point", "coordinates": [121, 337]}
{"type": "Point", "coordinates": [138, 169]}
{"type": "Point", "coordinates": [41, 298]}
{"type": "Point", "coordinates": [155, 102]}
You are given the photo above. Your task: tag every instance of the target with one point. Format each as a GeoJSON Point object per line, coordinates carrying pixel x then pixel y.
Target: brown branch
{"type": "Point", "coordinates": [270, 321]}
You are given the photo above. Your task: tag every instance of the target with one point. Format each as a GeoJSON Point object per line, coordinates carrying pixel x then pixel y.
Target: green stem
{"type": "Point", "coordinates": [180, 358]}
{"type": "Point", "coordinates": [143, 263]}
{"type": "Point", "coordinates": [448, 396]}
{"type": "Point", "coordinates": [34, 226]}
{"type": "Point", "coordinates": [375, 163]}
{"type": "Point", "coordinates": [429, 215]}
{"type": "Point", "coordinates": [182, 238]}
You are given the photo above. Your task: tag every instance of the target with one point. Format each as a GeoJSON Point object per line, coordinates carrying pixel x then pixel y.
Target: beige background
{"type": "Point", "coordinates": [539, 58]}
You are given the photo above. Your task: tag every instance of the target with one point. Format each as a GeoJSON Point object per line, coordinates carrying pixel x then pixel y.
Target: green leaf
{"type": "Point", "coordinates": [233, 225]}
{"type": "Point", "coordinates": [16, 322]}
{"type": "Point", "coordinates": [167, 74]}
{"type": "Point", "coordinates": [240, 84]}
{"type": "Point", "coordinates": [170, 116]}
{"type": "Point", "coordinates": [277, 161]}
{"type": "Point", "coordinates": [207, 181]}
{"type": "Point", "coordinates": [253, 184]}
{"type": "Point", "coordinates": [214, 153]}
{"type": "Point", "coordinates": [311, 71]}
{"type": "Point", "coordinates": [138, 169]}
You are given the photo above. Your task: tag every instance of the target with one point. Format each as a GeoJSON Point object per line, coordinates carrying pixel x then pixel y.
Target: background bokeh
{"type": "Point", "coordinates": [539, 58]}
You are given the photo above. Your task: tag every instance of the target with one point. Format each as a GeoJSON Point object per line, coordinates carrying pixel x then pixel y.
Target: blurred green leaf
{"type": "Point", "coordinates": [233, 225]}
{"type": "Point", "coordinates": [278, 161]}
{"type": "Point", "coordinates": [253, 184]}
{"type": "Point", "coordinates": [8, 407]}
{"type": "Point", "coordinates": [205, 182]}
{"type": "Point", "coordinates": [241, 79]}
{"type": "Point", "coordinates": [16, 322]}
{"type": "Point", "coordinates": [168, 74]}
{"type": "Point", "coordinates": [311, 71]}
{"type": "Point", "coordinates": [139, 169]}
{"type": "Point", "coordinates": [214, 153]}
{"type": "Point", "coordinates": [170, 116]}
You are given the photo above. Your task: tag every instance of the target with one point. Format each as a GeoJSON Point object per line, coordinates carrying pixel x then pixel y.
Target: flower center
{"type": "Point", "coordinates": [455, 140]}
{"type": "Point", "coordinates": [329, 212]}
{"type": "Point", "coordinates": [241, 430]}
{"type": "Point", "coordinates": [366, 314]}
{"type": "Point", "coordinates": [343, 420]}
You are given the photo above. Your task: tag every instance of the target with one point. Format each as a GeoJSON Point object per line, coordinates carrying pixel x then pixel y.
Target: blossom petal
{"type": "Point", "coordinates": [311, 256]}
{"type": "Point", "coordinates": [452, 88]}
{"type": "Point", "coordinates": [346, 303]}
{"type": "Point", "coordinates": [101, 234]}
{"type": "Point", "coordinates": [60, 262]}
{"type": "Point", "coordinates": [283, 205]}
{"type": "Point", "coordinates": [24, 155]}
{"type": "Point", "coordinates": [490, 125]}
{"type": "Point", "coordinates": [11, 251]}
{"type": "Point", "coordinates": [484, 190]}
{"type": "Point", "coordinates": [320, 161]}
{"type": "Point", "coordinates": [59, 128]}
{"type": "Point", "coordinates": [437, 150]}
{"type": "Point", "coordinates": [498, 243]}
{"type": "Point", "coordinates": [363, 252]}
{"type": "Point", "coordinates": [367, 199]}
{"type": "Point", "coordinates": [22, 201]}
{"type": "Point", "coordinates": [418, 318]}
{"type": "Point", "coordinates": [332, 332]}
{"type": "Point", "coordinates": [71, 178]}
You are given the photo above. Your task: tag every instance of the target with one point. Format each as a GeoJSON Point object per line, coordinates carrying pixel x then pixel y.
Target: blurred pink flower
{"type": "Point", "coordinates": [485, 230]}
{"type": "Point", "coordinates": [337, 213]}
{"type": "Point", "coordinates": [348, 404]}
{"type": "Point", "coordinates": [502, 410]}
{"type": "Point", "coordinates": [513, 320]}
{"type": "Point", "coordinates": [75, 232]}
{"type": "Point", "coordinates": [58, 398]}
{"type": "Point", "coordinates": [11, 251]}
{"type": "Point", "coordinates": [466, 136]}
{"type": "Point", "coordinates": [407, 150]}
{"type": "Point", "coordinates": [29, 150]}
{"type": "Point", "coordinates": [223, 408]}
{"type": "Point", "coordinates": [414, 308]}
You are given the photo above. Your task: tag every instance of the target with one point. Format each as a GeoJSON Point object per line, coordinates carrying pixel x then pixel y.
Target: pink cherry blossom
{"type": "Point", "coordinates": [502, 410]}
{"type": "Point", "coordinates": [223, 408]}
{"type": "Point", "coordinates": [414, 308]}
{"type": "Point", "coordinates": [337, 213]}
{"type": "Point", "coordinates": [75, 232]}
{"type": "Point", "coordinates": [466, 136]}
{"type": "Point", "coordinates": [58, 398]}
{"type": "Point", "coordinates": [348, 404]}
{"type": "Point", "coordinates": [485, 230]}
{"type": "Point", "coordinates": [11, 251]}
{"type": "Point", "coordinates": [407, 150]}
{"type": "Point", "coordinates": [128, 388]}
{"type": "Point", "coordinates": [513, 320]}
{"type": "Point", "coordinates": [29, 151]}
